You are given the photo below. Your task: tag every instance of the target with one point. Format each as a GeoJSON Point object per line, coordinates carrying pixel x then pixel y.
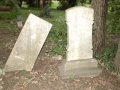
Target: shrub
{"type": "Point", "coordinates": [106, 56]}
{"type": "Point", "coordinates": [12, 3]}
{"type": "Point", "coordinates": [59, 35]}
{"type": "Point", "coordinates": [113, 23]}
{"type": "Point", "coordinates": [64, 5]}
{"type": "Point", "coordinates": [46, 11]}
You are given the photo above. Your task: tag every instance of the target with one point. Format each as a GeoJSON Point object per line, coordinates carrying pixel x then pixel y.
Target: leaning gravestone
{"type": "Point", "coordinates": [79, 59]}
{"type": "Point", "coordinates": [28, 44]}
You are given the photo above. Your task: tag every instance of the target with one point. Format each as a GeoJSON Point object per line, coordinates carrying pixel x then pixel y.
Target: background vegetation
{"type": "Point", "coordinates": [55, 11]}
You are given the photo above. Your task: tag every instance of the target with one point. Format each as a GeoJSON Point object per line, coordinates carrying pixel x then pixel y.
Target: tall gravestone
{"type": "Point", "coordinates": [28, 44]}
{"type": "Point", "coordinates": [79, 59]}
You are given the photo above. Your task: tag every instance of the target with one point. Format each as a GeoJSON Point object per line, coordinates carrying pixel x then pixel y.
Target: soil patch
{"type": "Point", "coordinates": [45, 74]}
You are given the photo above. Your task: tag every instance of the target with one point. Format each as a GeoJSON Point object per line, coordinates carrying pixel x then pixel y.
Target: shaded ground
{"type": "Point", "coordinates": [45, 74]}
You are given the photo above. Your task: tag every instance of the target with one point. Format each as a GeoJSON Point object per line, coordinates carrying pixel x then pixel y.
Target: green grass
{"type": "Point", "coordinates": [87, 5]}
{"type": "Point", "coordinates": [24, 5]}
{"type": "Point", "coordinates": [57, 35]}
{"type": "Point", "coordinates": [9, 15]}
{"type": "Point", "coordinates": [26, 12]}
{"type": "Point", "coordinates": [55, 4]}
{"type": "Point", "coordinates": [8, 21]}
{"type": "Point", "coordinates": [8, 25]}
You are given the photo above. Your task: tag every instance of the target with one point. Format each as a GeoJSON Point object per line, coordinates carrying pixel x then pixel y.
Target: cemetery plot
{"type": "Point", "coordinates": [79, 56]}
{"type": "Point", "coordinates": [20, 21]}
{"type": "Point", "coordinates": [28, 44]}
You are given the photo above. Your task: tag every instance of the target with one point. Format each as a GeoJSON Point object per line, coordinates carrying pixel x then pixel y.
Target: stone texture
{"type": "Point", "coordinates": [28, 44]}
{"type": "Point", "coordinates": [80, 72]}
{"type": "Point", "coordinates": [82, 63]}
{"type": "Point", "coordinates": [20, 22]}
{"type": "Point", "coordinates": [79, 68]}
{"type": "Point", "coordinates": [79, 20]}
{"type": "Point", "coordinates": [79, 56]}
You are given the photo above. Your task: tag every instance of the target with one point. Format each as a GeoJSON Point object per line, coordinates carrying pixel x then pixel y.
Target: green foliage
{"type": "Point", "coordinates": [113, 22]}
{"type": "Point", "coordinates": [46, 11]}
{"type": "Point", "coordinates": [24, 5]}
{"type": "Point", "coordinates": [55, 4]}
{"type": "Point", "coordinates": [12, 3]}
{"type": "Point", "coordinates": [1, 62]}
{"type": "Point", "coordinates": [4, 2]}
{"type": "Point", "coordinates": [49, 74]}
{"type": "Point", "coordinates": [8, 22]}
{"type": "Point", "coordinates": [106, 56]}
{"type": "Point", "coordinates": [94, 89]}
{"type": "Point", "coordinates": [81, 2]}
{"type": "Point", "coordinates": [59, 36]}
{"type": "Point", "coordinates": [9, 15]}
{"type": "Point", "coordinates": [23, 72]}
{"type": "Point", "coordinates": [72, 78]}
{"type": "Point", "coordinates": [64, 5]}
{"type": "Point", "coordinates": [59, 50]}
{"type": "Point", "coordinates": [118, 75]}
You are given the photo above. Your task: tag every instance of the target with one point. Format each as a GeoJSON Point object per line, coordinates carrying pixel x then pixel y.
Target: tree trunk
{"type": "Point", "coordinates": [30, 3]}
{"type": "Point", "coordinates": [117, 60]}
{"type": "Point", "coordinates": [44, 3]}
{"type": "Point", "coordinates": [99, 27]}
{"type": "Point", "coordinates": [38, 3]}
{"type": "Point", "coordinates": [20, 3]}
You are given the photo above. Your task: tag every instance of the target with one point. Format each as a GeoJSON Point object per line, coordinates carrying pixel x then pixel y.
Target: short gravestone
{"type": "Point", "coordinates": [28, 44]}
{"type": "Point", "coordinates": [20, 22]}
{"type": "Point", "coordinates": [79, 59]}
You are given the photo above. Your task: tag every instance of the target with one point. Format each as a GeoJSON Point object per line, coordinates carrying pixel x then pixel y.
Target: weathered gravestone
{"type": "Point", "coordinates": [20, 21]}
{"type": "Point", "coordinates": [28, 44]}
{"type": "Point", "coordinates": [79, 59]}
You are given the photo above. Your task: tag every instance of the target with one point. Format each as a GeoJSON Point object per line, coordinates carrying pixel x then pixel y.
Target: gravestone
{"type": "Point", "coordinates": [28, 44]}
{"type": "Point", "coordinates": [20, 22]}
{"type": "Point", "coordinates": [79, 56]}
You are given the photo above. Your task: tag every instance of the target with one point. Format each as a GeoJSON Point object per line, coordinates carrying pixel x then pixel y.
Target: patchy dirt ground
{"type": "Point", "coordinates": [45, 74]}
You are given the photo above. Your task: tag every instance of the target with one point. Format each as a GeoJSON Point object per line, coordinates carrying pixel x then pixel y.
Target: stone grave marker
{"type": "Point", "coordinates": [79, 56]}
{"type": "Point", "coordinates": [28, 44]}
{"type": "Point", "coordinates": [20, 22]}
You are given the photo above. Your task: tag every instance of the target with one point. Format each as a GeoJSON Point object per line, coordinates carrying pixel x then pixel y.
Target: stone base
{"type": "Point", "coordinates": [79, 68]}
{"type": "Point", "coordinates": [20, 24]}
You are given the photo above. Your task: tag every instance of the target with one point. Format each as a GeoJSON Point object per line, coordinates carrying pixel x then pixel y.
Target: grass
{"type": "Point", "coordinates": [8, 26]}
{"type": "Point", "coordinates": [24, 5]}
{"type": "Point", "coordinates": [23, 72]}
{"type": "Point", "coordinates": [72, 78]}
{"type": "Point", "coordinates": [26, 12]}
{"type": "Point", "coordinates": [55, 4]}
{"type": "Point", "coordinates": [57, 34]}
{"type": "Point", "coordinates": [8, 21]}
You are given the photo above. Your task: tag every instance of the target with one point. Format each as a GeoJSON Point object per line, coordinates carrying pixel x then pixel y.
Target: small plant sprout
{"type": "Point", "coordinates": [118, 75]}
{"type": "Point", "coordinates": [72, 78]}
{"type": "Point", "coordinates": [50, 74]}
{"type": "Point", "coordinates": [23, 72]}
